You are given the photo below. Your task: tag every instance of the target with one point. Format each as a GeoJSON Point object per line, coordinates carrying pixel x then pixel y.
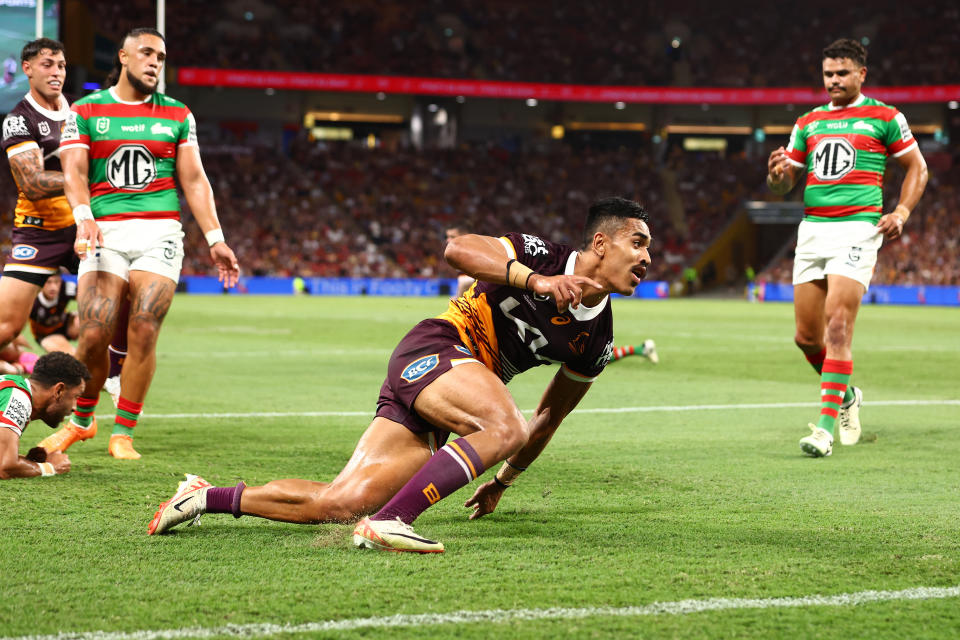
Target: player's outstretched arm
{"type": "Point", "coordinates": [486, 259]}
{"type": "Point", "coordinates": [30, 176]}
{"type": "Point", "coordinates": [560, 398]}
{"type": "Point", "coordinates": [199, 194]}
{"type": "Point", "coordinates": [13, 465]}
{"type": "Point", "coordinates": [914, 183]}
{"type": "Point", "coordinates": [76, 167]}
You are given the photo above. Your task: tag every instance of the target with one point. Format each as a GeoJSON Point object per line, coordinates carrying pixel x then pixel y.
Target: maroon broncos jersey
{"type": "Point", "coordinates": [511, 330]}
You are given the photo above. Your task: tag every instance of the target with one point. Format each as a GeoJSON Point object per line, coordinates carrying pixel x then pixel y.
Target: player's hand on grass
{"type": "Point", "coordinates": [60, 461]}
{"type": "Point", "coordinates": [89, 238]}
{"type": "Point", "coordinates": [228, 270]}
{"type": "Point", "coordinates": [484, 499]}
{"type": "Point", "coordinates": [566, 290]}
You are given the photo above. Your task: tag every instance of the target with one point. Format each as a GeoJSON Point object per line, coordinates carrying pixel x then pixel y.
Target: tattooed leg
{"type": "Point", "coordinates": [99, 299]}
{"type": "Point", "coordinates": [150, 299]}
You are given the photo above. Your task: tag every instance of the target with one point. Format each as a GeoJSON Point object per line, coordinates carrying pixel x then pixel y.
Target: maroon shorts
{"type": "Point", "coordinates": [37, 253]}
{"type": "Point", "coordinates": [429, 350]}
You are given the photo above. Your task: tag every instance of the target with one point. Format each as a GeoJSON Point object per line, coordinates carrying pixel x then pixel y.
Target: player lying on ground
{"type": "Point", "coordinates": [49, 395]}
{"type": "Point", "coordinates": [535, 303]}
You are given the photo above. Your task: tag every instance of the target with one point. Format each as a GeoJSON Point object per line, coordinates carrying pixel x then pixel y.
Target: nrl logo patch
{"type": "Point", "coordinates": [103, 125]}
{"type": "Point", "coordinates": [44, 128]}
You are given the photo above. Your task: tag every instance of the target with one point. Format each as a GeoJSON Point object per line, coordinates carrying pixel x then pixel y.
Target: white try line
{"type": "Point", "coordinates": [656, 409]}
{"type": "Point", "coordinates": [495, 616]}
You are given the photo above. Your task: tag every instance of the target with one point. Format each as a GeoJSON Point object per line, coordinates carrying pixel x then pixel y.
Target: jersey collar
{"type": "Point", "coordinates": [58, 116]}
{"type": "Point", "coordinates": [855, 103]}
{"type": "Point", "coordinates": [113, 94]}
{"type": "Point", "coordinates": [583, 312]}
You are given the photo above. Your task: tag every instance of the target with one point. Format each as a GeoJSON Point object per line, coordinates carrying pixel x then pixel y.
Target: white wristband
{"type": "Point", "coordinates": [46, 469]}
{"type": "Point", "coordinates": [214, 236]}
{"type": "Point", "coordinates": [82, 212]}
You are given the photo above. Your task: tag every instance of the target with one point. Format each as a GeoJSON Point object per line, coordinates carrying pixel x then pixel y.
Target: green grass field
{"type": "Point", "coordinates": [676, 482]}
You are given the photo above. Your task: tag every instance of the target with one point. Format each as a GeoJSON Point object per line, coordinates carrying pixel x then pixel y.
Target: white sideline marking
{"type": "Point", "coordinates": [681, 607]}
{"type": "Point", "coordinates": [665, 408]}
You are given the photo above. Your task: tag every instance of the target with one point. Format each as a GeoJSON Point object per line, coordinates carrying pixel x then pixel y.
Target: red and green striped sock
{"type": "Point", "coordinates": [623, 352]}
{"type": "Point", "coordinates": [127, 415]}
{"type": "Point", "coordinates": [83, 414]}
{"type": "Point", "coordinates": [833, 385]}
{"type": "Point", "coordinates": [816, 361]}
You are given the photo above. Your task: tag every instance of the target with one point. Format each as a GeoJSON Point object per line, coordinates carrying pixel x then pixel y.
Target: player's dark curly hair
{"type": "Point", "coordinates": [34, 47]}
{"type": "Point", "coordinates": [847, 48]}
{"type": "Point", "coordinates": [607, 210]}
{"type": "Point", "coordinates": [58, 366]}
{"type": "Point", "coordinates": [114, 76]}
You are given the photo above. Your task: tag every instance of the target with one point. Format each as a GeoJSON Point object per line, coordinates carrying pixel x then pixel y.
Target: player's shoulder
{"type": "Point", "coordinates": [877, 109]}
{"type": "Point", "coordinates": [164, 100]}
{"type": "Point", "coordinates": [814, 114]}
{"type": "Point", "coordinates": [19, 124]}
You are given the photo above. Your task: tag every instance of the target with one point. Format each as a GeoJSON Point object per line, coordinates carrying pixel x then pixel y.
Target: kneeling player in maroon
{"type": "Point", "coordinates": [534, 303]}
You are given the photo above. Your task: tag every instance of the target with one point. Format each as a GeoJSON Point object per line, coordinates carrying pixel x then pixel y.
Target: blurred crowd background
{"type": "Point", "coordinates": [311, 207]}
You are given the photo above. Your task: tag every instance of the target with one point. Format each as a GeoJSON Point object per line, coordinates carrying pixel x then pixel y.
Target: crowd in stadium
{"type": "Point", "coordinates": [344, 210]}
{"type": "Point", "coordinates": [615, 43]}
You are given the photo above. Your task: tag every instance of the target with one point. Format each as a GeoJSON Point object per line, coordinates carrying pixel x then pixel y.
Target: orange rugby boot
{"type": "Point", "coordinates": [121, 447]}
{"type": "Point", "coordinates": [69, 433]}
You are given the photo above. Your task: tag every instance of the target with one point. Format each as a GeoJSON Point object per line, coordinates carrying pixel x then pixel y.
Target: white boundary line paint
{"type": "Point", "coordinates": [495, 616]}
{"type": "Point", "coordinates": [655, 409]}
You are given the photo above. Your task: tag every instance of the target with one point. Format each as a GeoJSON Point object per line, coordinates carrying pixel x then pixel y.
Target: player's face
{"type": "Point", "coordinates": [46, 72]}
{"type": "Point", "coordinates": [842, 78]}
{"type": "Point", "coordinates": [142, 58]}
{"type": "Point", "coordinates": [63, 401]}
{"type": "Point", "coordinates": [51, 288]}
{"type": "Point", "coordinates": [626, 257]}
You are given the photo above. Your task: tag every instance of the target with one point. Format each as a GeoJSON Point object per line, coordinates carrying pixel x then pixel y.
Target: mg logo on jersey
{"type": "Point", "coordinates": [418, 368]}
{"type": "Point", "coordinates": [131, 166]}
{"type": "Point", "coordinates": [103, 125]}
{"type": "Point", "coordinates": [833, 158]}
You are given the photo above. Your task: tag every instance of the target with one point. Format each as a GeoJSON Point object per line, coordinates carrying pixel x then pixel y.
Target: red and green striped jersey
{"type": "Point", "coordinates": [133, 149]}
{"type": "Point", "coordinates": [16, 403]}
{"type": "Point", "coordinates": [845, 150]}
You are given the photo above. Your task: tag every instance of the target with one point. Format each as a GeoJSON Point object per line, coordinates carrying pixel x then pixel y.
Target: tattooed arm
{"type": "Point", "coordinates": [32, 179]}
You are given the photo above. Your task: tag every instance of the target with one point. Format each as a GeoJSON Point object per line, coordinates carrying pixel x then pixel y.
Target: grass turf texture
{"type": "Point", "coordinates": [622, 509]}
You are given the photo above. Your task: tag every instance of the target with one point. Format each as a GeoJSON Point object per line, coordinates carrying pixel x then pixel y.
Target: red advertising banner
{"type": "Point", "coordinates": [302, 81]}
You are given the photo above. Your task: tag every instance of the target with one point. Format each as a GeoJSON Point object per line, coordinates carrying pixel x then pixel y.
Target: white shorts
{"type": "Point", "coordinates": [155, 246]}
{"type": "Point", "coordinates": [836, 248]}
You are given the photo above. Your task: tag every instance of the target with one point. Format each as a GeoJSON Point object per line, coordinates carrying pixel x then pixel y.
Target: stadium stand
{"type": "Point", "coordinates": [611, 43]}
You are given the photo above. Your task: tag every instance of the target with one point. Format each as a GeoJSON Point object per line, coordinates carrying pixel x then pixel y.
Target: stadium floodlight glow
{"type": "Point", "coordinates": [606, 126]}
{"type": "Point", "coordinates": [336, 116]}
{"type": "Point", "coordinates": [722, 130]}
{"type": "Point", "coordinates": [556, 132]}
{"type": "Point", "coordinates": [270, 91]}
{"type": "Point", "coordinates": [381, 95]}
{"type": "Point", "coordinates": [620, 105]}
{"type": "Point", "coordinates": [531, 102]}
{"type": "Point", "coordinates": [432, 108]}
{"type": "Point", "coordinates": [953, 104]}
{"type": "Point", "coordinates": [675, 43]}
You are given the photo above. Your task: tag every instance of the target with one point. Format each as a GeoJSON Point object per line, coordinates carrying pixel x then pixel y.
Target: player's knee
{"type": "Point", "coordinates": [143, 330]}
{"type": "Point", "coordinates": [807, 342]}
{"type": "Point", "coordinates": [510, 434]}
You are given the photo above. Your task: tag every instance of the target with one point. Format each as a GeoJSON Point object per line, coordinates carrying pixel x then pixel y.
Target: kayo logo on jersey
{"type": "Point", "coordinates": [834, 158]}
{"type": "Point", "coordinates": [418, 368]}
{"type": "Point", "coordinates": [131, 166]}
